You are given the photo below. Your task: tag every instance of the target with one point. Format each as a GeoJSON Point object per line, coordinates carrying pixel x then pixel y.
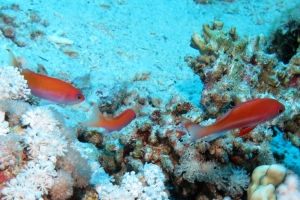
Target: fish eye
{"type": "Point", "coordinates": [280, 111]}
{"type": "Point", "coordinates": [78, 96]}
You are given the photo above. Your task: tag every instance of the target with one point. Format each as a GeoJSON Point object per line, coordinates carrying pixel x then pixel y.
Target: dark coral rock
{"type": "Point", "coordinates": [111, 99]}
{"type": "Point", "coordinates": [182, 108]}
{"type": "Point", "coordinates": [107, 162]}
{"type": "Point", "coordinates": [155, 116]}
{"type": "Point", "coordinates": [95, 138]}
{"type": "Point", "coordinates": [285, 41]}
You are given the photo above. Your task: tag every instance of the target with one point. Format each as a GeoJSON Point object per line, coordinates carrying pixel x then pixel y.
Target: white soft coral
{"type": "Point", "coordinates": [44, 143]}
{"type": "Point", "coordinates": [40, 117]}
{"type": "Point", "coordinates": [12, 84]}
{"type": "Point", "coordinates": [43, 137]}
{"type": "Point", "coordinates": [32, 182]}
{"type": "Point", "coordinates": [132, 186]}
{"type": "Point", "coordinates": [155, 181]}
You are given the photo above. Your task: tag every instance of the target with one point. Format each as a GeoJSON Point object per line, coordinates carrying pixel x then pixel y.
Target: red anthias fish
{"type": "Point", "coordinates": [246, 115]}
{"type": "Point", "coordinates": [113, 124]}
{"type": "Point", "coordinates": [48, 88]}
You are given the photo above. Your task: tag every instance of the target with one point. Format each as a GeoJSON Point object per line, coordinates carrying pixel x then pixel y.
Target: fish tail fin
{"type": "Point", "coordinates": [12, 60]}
{"type": "Point", "coordinates": [205, 132]}
{"type": "Point", "coordinates": [96, 120]}
{"type": "Point", "coordinates": [195, 130]}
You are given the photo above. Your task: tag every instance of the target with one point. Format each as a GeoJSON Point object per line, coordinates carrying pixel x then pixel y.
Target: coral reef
{"type": "Point", "coordinates": [235, 70]}
{"type": "Point", "coordinates": [153, 157]}
{"type": "Point", "coordinates": [32, 182]}
{"type": "Point", "coordinates": [160, 138]}
{"type": "Point", "coordinates": [33, 165]}
{"type": "Point", "coordinates": [194, 167]}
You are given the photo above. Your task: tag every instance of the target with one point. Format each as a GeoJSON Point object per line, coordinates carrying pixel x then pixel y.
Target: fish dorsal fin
{"type": "Point", "coordinates": [223, 117]}
{"type": "Point", "coordinates": [246, 130]}
{"type": "Point", "coordinates": [229, 112]}
{"type": "Point", "coordinates": [12, 60]}
{"type": "Point", "coordinates": [28, 71]}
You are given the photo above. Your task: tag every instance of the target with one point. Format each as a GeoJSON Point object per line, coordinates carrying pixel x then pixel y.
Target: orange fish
{"type": "Point", "coordinates": [114, 124]}
{"type": "Point", "coordinates": [49, 88]}
{"type": "Point", "coordinates": [246, 115]}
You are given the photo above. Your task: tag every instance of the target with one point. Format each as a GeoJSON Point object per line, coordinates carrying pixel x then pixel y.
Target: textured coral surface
{"type": "Point", "coordinates": [241, 70]}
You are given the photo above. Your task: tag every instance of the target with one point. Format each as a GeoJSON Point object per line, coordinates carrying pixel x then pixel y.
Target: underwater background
{"type": "Point", "coordinates": [149, 67]}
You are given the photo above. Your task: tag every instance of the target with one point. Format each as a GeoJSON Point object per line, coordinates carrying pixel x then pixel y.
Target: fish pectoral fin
{"type": "Point", "coordinates": [246, 130]}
